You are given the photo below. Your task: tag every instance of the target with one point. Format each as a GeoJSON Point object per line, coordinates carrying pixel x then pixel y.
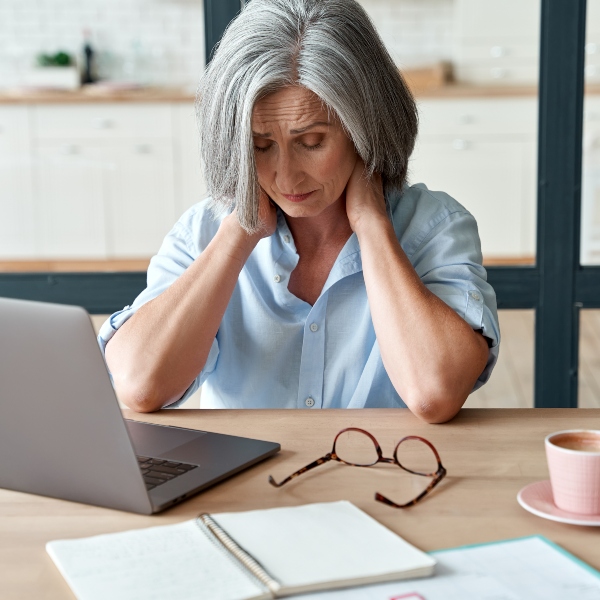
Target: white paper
{"type": "Point", "coordinates": [178, 562]}
{"type": "Point", "coordinates": [527, 569]}
{"type": "Point", "coordinates": [319, 543]}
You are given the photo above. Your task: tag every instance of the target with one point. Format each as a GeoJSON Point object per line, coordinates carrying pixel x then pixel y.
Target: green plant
{"type": "Point", "coordinates": [60, 59]}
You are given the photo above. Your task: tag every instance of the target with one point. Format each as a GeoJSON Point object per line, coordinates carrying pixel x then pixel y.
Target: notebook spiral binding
{"type": "Point", "coordinates": [208, 524]}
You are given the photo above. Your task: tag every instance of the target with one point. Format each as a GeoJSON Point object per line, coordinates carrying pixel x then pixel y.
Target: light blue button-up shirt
{"type": "Point", "coordinates": [274, 350]}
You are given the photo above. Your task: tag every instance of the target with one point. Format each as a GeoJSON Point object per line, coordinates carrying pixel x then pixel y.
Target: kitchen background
{"type": "Point", "coordinates": [91, 178]}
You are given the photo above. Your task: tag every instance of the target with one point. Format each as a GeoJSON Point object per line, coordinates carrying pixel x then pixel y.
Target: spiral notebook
{"type": "Point", "coordinates": [240, 556]}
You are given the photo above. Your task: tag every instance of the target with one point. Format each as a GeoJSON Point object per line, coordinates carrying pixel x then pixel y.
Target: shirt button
{"type": "Point", "coordinates": [309, 402]}
{"type": "Point", "coordinates": [314, 327]}
{"type": "Point", "coordinates": [277, 278]}
{"type": "Point", "coordinates": [475, 296]}
{"type": "Point", "coordinates": [287, 239]}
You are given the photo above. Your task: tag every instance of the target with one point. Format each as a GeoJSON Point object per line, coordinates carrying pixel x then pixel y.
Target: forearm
{"type": "Point", "coordinates": [158, 352]}
{"type": "Point", "coordinates": [432, 356]}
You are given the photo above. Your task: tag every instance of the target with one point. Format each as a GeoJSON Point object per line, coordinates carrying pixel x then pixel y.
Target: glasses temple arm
{"type": "Point", "coordinates": [437, 478]}
{"type": "Point", "coordinates": [308, 467]}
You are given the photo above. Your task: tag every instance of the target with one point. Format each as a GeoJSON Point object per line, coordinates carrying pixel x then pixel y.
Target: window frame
{"type": "Point", "coordinates": [557, 287]}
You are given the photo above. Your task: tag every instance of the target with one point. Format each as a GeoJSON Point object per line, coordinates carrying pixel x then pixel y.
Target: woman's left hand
{"type": "Point", "coordinates": [364, 196]}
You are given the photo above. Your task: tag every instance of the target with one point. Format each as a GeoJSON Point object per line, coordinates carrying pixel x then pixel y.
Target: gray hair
{"type": "Point", "coordinates": [327, 46]}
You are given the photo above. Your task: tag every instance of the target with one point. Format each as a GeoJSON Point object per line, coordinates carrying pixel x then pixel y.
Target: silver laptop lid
{"type": "Point", "coordinates": [61, 430]}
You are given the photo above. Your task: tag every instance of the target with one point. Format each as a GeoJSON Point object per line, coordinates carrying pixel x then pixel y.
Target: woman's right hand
{"type": "Point", "coordinates": [267, 219]}
{"type": "Point", "coordinates": [267, 215]}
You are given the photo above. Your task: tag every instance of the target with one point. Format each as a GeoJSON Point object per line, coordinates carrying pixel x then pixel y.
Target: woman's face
{"type": "Point", "coordinates": [303, 156]}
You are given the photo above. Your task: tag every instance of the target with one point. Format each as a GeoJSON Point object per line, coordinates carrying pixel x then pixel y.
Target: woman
{"type": "Point", "coordinates": [314, 277]}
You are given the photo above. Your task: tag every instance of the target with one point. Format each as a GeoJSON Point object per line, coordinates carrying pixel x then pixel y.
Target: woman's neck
{"type": "Point", "coordinates": [330, 228]}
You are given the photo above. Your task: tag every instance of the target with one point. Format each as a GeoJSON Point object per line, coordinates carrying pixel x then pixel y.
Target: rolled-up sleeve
{"type": "Point", "coordinates": [448, 262]}
{"type": "Point", "coordinates": [177, 252]}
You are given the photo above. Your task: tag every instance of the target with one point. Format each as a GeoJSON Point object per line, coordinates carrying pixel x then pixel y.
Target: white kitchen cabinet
{"type": "Point", "coordinates": [490, 19]}
{"type": "Point", "coordinates": [103, 121]}
{"type": "Point", "coordinates": [497, 42]}
{"type": "Point", "coordinates": [105, 179]}
{"type": "Point", "coordinates": [114, 184]}
{"type": "Point", "coordinates": [17, 233]}
{"type": "Point", "coordinates": [592, 46]}
{"type": "Point", "coordinates": [95, 181]}
{"type": "Point", "coordinates": [483, 153]}
{"type": "Point", "coordinates": [70, 212]}
{"type": "Point", "coordinates": [190, 186]}
{"type": "Point", "coordinates": [491, 179]}
{"type": "Point", "coordinates": [140, 198]}
{"type": "Point", "coordinates": [491, 117]}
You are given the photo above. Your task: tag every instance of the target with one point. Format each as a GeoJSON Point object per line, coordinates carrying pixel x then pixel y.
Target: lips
{"type": "Point", "coordinates": [297, 197]}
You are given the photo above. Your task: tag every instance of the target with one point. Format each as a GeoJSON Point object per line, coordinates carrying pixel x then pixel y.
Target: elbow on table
{"type": "Point", "coordinates": [434, 407]}
{"type": "Point", "coordinates": [140, 398]}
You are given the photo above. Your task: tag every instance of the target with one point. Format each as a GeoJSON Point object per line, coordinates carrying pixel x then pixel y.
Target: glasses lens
{"type": "Point", "coordinates": [417, 456]}
{"type": "Point", "coordinates": [402, 487]}
{"type": "Point", "coordinates": [356, 448]}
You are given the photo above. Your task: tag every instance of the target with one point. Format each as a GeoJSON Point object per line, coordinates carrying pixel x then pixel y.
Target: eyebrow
{"type": "Point", "coordinates": [294, 131]}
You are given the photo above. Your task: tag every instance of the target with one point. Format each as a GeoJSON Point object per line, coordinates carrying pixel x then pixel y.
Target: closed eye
{"type": "Point", "coordinates": [312, 140]}
{"type": "Point", "coordinates": [262, 148]}
{"type": "Point", "coordinates": [314, 147]}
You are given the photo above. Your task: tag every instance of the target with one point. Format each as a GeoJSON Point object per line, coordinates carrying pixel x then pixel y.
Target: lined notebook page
{"type": "Point", "coordinates": [327, 543]}
{"type": "Point", "coordinates": [522, 569]}
{"type": "Point", "coordinates": [177, 562]}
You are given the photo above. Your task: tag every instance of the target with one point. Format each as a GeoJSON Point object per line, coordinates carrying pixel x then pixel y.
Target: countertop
{"type": "Point", "coordinates": [91, 96]}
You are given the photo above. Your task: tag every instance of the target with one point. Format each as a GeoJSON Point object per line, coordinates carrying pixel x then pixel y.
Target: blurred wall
{"type": "Point", "coordinates": [141, 41]}
{"type": "Point", "coordinates": [161, 42]}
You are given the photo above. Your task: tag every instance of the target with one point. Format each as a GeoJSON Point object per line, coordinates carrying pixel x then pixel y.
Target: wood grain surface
{"type": "Point", "coordinates": [490, 454]}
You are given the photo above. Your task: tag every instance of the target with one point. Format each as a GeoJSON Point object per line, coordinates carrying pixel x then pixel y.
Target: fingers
{"type": "Point", "coordinates": [267, 213]}
{"type": "Point", "coordinates": [359, 167]}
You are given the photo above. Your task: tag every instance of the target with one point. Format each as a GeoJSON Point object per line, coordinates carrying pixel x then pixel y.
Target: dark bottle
{"type": "Point", "coordinates": [89, 71]}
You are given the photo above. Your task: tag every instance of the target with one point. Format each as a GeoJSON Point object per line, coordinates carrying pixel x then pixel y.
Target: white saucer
{"type": "Point", "coordinates": [537, 499]}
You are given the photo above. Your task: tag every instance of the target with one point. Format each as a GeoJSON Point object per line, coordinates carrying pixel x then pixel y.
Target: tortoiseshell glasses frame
{"type": "Point", "coordinates": [436, 477]}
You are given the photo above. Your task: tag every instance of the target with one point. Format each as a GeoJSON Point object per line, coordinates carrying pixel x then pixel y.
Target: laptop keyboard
{"type": "Point", "coordinates": [157, 471]}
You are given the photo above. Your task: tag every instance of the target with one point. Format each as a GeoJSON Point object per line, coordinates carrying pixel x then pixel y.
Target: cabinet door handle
{"type": "Point", "coordinates": [102, 123]}
{"type": "Point", "coordinates": [69, 149]}
{"type": "Point", "coordinates": [498, 51]}
{"type": "Point", "coordinates": [460, 144]}
{"type": "Point", "coordinates": [143, 149]}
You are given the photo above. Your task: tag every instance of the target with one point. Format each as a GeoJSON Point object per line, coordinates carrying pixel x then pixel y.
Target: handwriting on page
{"type": "Point", "coordinates": [175, 562]}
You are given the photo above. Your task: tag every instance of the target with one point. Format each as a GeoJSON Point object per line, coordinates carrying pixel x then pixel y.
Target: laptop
{"type": "Point", "coordinates": [62, 433]}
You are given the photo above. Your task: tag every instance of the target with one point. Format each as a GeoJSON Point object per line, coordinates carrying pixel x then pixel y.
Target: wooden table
{"type": "Point", "coordinates": [490, 454]}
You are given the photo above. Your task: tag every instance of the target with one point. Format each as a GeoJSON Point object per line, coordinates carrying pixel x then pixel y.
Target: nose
{"type": "Point", "coordinates": [289, 173]}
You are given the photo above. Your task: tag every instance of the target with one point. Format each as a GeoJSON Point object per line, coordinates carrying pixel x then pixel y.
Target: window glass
{"type": "Point", "coordinates": [589, 359]}
{"type": "Point", "coordinates": [102, 181]}
{"type": "Point", "coordinates": [93, 176]}
{"type": "Point", "coordinates": [589, 324]}
{"type": "Point", "coordinates": [511, 383]}
{"type": "Point", "coordinates": [590, 180]}
{"type": "Point", "coordinates": [473, 66]}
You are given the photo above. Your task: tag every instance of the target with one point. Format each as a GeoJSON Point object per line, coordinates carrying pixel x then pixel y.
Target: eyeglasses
{"type": "Point", "coordinates": [358, 448]}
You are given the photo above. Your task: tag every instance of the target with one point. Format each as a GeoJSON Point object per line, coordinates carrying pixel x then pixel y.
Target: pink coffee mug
{"type": "Point", "coordinates": [574, 465]}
